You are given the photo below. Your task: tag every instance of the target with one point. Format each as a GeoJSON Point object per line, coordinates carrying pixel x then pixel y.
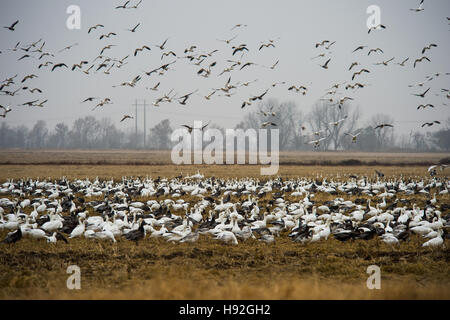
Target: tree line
{"type": "Point", "coordinates": [297, 130]}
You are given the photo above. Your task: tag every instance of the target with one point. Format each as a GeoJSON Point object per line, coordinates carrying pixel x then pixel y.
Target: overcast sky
{"type": "Point", "coordinates": [295, 25]}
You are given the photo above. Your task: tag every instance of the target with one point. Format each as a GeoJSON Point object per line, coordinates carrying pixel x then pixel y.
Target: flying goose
{"type": "Point", "coordinates": [166, 54]}
{"type": "Point", "coordinates": [380, 26]}
{"type": "Point", "coordinates": [90, 99]}
{"type": "Point", "coordinates": [30, 76]}
{"type": "Point", "coordinates": [342, 100]}
{"type": "Point", "coordinates": [238, 26]}
{"type": "Point", "coordinates": [321, 43]}
{"type": "Point", "coordinates": [136, 5]}
{"type": "Point", "coordinates": [135, 27]}
{"type": "Point", "coordinates": [329, 46]}
{"type": "Point", "coordinates": [260, 96]}
{"type": "Point", "coordinates": [359, 48]}
{"type": "Point", "coordinates": [418, 9]}
{"type": "Point", "coordinates": [162, 45]}
{"type": "Point", "coordinates": [226, 41]}
{"type": "Point", "coordinates": [79, 65]}
{"type": "Point", "coordinates": [359, 72]}
{"type": "Point", "coordinates": [247, 64]}
{"type": "Point", "coordinates": [107, 35]}
{"type": "Point", "coordinates": [140, 49]}
{"type": "Point", "coordinates": [59, 65]}
{"type": "Point", "coordinates": [420, 60]}
{"type": "Point", "coordinates": [317, 142]}
{"type": "Point", "coordinates": [266, 45]}
{"type": "Point", "coordinates": [277, 83]}
{"type": "Point", "coordinates": [428, 47]}
{"type": "Point", "coordinates": [424, 106]}
{"type": "Point", "coordinates": [422, 95]}
{"type": "Point", "coordinates": [109, 46]}
{"type": "Point", "coordinates": [274, 65]}
{"type": "Point", "coordinates": [383, 125]}
{"type": "Point", "coordinates": [95, 27]}
{"type": "Point", "coordinates": [429, 124]}
{"type": "Point", "coordinates": [353, 136]}
{"type": "Point", "coordinates": [46, 64]}
{"type": "Point", "coordinates": [41, 104]}
{"type": "Point", "coordinates": [336, 123]}
{"type": "Point", "coordinates": [293, 87]}
{"type": "Point", "coordinates": [126, 117]}
{"type": "Point", "coordinates": [385, 63]}
{"type": "Point", "coordinates": [353, 65]}
{"type": "Point", "coordinates": [185, 97]}
{"type": "Point", "coordinates": [192, 128]}
{"type": "Point", "coordinates": [190, 49]}
{"type": "Point", "coordinates": [241, 47]}
{"type": "Point", "coordinates": [268, 123]}
{"type": "Point", "coordinates": [210, 95]}
{"type": "Point", "coordinates": [325, 66]}
{"type": "Point", "coordinates": [124, 6]}
{"type": "Point", "coordinates": [375, 50]}
{"type": "Point", "coordinates": [155, 87]}
{"type": "Point", "coordinates": [30, 103]}
{"type": "Point", "coordinates": [35, 89]}
{"type": "Point", "coordinates": [68, 47]}
{"type": "Point", "coordinates": [402, 63]}
{"type": "Point", "coordinates": [11, 27]}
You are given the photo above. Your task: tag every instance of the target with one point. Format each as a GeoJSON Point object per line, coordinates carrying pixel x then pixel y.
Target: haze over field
{"type": "Point", "coordinates": [295, 27]}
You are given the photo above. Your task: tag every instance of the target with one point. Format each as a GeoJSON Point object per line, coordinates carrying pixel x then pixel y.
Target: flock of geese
{"type": "Point", "coordinates": [206, 64]}
{"type": "Point", "coordinates": [232, 211]}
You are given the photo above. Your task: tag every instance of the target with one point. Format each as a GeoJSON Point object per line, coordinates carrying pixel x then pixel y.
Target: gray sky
{"type": "Point", "coordinates": [298, 24]}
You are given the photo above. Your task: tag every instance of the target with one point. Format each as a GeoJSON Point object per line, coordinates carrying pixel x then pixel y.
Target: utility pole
{"type": "Point", "coordinates": [136, 105]}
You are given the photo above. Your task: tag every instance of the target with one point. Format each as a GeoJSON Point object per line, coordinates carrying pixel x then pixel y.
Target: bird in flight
{"type": "Point", "coordinates": [325, 66]}
{"type": "Point", "coordinates": [59, 65]}
{"type": "Point", "coordinates": [185, 97]}
{"type": "Point", "coordinates": [429, 124]}
{"type": "Point", "coordinates": [319, 44]}
{"type": "Point", "coordinates": [227, 41]}
{"type": "Point", "coordinates": [420, 60]}
{"type": "Point", "coordinates": [126, 117]}
{"type": "Point", "coordinates": [107, 35]}
{"type": "Point", "coordinates": [124, 6]}
{"type": "Point", "coordinates": [95, 27]}
{"type": "Point", "coordinates": [384, 125]}
{"type": "Point", "coordinates": [260, 96]}
{"type": "Point", "coordinates": [375, 50]}
{"type": "Point", "coordinates": [135, 27]}
{"type": "Point", "coordinates": [422, 95]}
{"type": "Point", "coordinates": [359, 48]}
{"type": "Point", "coordinates": [359, 72]}
{"type": "Point", "coordinates": [418, 9]}
{"type": "Point", "coordinates": [385, 63]}
{"type": "Point", "coordinates": [162, 45]}
{"type": "Point", "coordinates": [239, 25]}
{"type": "Point", "coordinates": [354, 136]}
{"type": "Point", "coordinates": [380, 26]}
{"type": "Point", "coordinates": [140, 49]}
{"type": "Point", "coordinates": [192, 128]}
{"type": "Point", "coordinates": [11, 27]}
{"type": "Point", "coordinates": [431, 45]}
{"type": "Point", "coordinates": [68, 47]}
{"type": "Point", "coordinates": [424, 106]}
{"type": "Point", "coordinates": [402, 63]}
{"type": "Point", "coordinates": [268, 123]}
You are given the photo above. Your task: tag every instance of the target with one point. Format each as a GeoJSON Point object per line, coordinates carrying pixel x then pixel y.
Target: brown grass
{"type": "Point", "coordinates": [207, 269]}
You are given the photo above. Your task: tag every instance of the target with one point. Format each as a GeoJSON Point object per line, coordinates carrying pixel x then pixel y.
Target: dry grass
{"type": "Point", "coordinates": [156, 269]}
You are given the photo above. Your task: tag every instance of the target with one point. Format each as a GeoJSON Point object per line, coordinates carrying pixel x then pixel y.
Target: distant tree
{"type": "Point", "coordinates": [384, 136]}
{"type": "Point", "coordinates": [37, 136]}
{"type": "Point", "coordinates": [85, 133]}
{"type": "Point", "coordinates": [160, 135]}
{"type": "Point", "coordinates": [442, 139]}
